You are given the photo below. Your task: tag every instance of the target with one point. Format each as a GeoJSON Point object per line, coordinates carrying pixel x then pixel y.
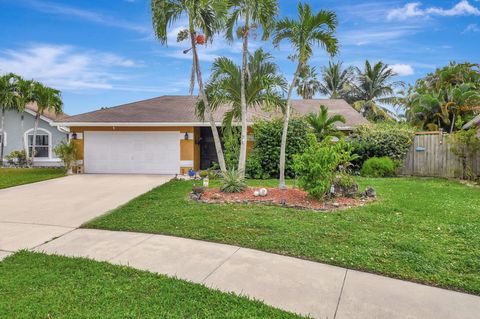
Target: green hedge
{"type": "Point", "coordinates": [379, 140]}
{"type": "Point", "coordinates": [263, 161]}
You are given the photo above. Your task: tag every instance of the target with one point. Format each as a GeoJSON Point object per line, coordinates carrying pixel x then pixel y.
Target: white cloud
{"type": "Point", "coordinates": [414, 9]}
{"type": "Point", "coordinates": [472, 28]}
{"type": "Point", "coordinates": [66, 67]}
{"type": "Point", "coordinates": [402, 69]}
{"type": "Point", "coordinates": [68, 11]}
{"type": "Point", "coordinates": [374, 35]}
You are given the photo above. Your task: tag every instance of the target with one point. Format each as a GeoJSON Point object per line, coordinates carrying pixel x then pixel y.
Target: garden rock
{"type": "Point", "coordinates": [370, 192]}
{"type": "Point", "coordinates": [341, 190]}
{"type": "Point", "coordinates": [263, 192]}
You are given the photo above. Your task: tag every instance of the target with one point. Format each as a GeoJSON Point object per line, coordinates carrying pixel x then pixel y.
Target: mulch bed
{"type": "Point", "coordinates": [293, 198]}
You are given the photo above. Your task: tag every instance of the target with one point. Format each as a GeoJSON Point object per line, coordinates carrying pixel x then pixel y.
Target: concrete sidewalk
{"type": "Point", "coordinates": [292, 284]}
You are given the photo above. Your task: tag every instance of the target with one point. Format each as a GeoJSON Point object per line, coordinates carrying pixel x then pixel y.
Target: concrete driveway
{"type": "Point", "coordinates": [35, 213]}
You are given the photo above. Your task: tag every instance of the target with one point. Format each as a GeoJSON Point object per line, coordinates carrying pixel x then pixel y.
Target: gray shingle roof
{"type": "Point", "coordinates": [181, 109]}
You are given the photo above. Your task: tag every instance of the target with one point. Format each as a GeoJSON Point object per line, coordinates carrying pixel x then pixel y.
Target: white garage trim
{"type": "Point", "coordinates": [132, 152]}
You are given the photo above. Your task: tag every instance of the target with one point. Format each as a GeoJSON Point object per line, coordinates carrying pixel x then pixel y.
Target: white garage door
{"type": "Point", "coordinates": [132, 152]}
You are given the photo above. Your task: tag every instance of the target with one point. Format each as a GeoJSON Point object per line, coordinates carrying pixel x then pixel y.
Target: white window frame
{"type": "Point", "coordinates": [4, 138]}
{"type": "Point", "coordinates": [44, 132]}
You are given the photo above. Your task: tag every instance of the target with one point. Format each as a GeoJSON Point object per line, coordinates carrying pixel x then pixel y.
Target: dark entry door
{"type": "Point", "coordinates": [208, 155]}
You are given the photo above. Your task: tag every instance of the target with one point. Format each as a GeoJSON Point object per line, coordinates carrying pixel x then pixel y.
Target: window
{"type": "Point", "coordinates": [42, 144]}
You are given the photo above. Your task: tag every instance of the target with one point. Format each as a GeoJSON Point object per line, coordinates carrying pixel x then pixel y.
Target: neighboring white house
{"type": "Point", "coordinates": [18, 135]}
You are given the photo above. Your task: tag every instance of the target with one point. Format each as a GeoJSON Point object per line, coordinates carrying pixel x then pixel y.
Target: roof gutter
{"type": "Point", "coordinates": [137, 124]}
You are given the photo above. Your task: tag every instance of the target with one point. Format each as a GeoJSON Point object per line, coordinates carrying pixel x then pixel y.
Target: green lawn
{"type": "Point", "coordinates": [425, 230]}
{"type": "Point", "coordinates": [34, 285]}
{"type": "Point", "coordinates": [18, 176]}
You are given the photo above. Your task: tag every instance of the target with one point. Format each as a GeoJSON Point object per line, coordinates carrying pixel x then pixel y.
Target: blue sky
{"type": "Point", "coordinates": [103, 52]}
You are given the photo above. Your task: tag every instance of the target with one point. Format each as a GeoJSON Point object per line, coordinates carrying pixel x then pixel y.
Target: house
{"type": "Point", "coordinates": [475, 122]}
{"type": "Point", "coordinates": [162, 135]}
{"type": "Point", "coordinates": [18, 135]}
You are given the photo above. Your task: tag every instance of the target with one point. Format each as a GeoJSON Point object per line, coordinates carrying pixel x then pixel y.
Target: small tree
{"type": "Point", "coordinates": [323, 125]}
{"type": "Point", "coordinates": [465, 144]}
{"type": "Point", "coordinates": [317, 166]}
{"type": "Point", "coordinates": [67, 153]}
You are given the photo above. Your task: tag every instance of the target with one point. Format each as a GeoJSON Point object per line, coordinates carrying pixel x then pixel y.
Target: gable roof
{"type": "Point", "coordinates": [474, 122]}
{"type": "Point", "coordinates": [47, 114]}
{"type": "Point", "coordinates": [180, 110]}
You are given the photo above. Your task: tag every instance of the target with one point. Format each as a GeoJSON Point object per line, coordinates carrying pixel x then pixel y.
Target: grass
{"type": "Point", "coordinates": [35, 285]}
{"type": "Point", "coordinates": [424, 230]}
{"type": "Point", "coordinates": [10, 177]}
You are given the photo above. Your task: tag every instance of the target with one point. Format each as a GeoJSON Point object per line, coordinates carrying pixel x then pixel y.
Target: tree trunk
{"type": "Point", "coordinates": [2, 126]}
{"type": "Point", "coordinates": [286, 119]}
{"type": "Point", "coordinates": [203, 96]}
{"type": "Point", "coordinates": [22, 127]}
{"type": "Point", "coordinates": [243, 103]}
{"type": "Point", "coordinates": [34, 142]}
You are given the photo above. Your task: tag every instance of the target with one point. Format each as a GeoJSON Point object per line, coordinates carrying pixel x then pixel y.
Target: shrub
{"type": "Point", "coordinates": [378, 167]}
{"type": "Point", "coordinates": [465, 144]}
{"type": "Point", "coordinates": [203, 174]}
{"type": "Point", "coordinates": [232, 182]}
{"type": "Point", "coordinates": [264, 159]}
{"type": "Point", "coordinates": [317, 166]}
{"type": "Point", "coordinates": [384, 139]}
{"type": "Point", "coordinates": [67, 153]}
{"type": "Point", "coordinates": [17, 158]}
{"type": "Point", "coordinates": [231, 143]}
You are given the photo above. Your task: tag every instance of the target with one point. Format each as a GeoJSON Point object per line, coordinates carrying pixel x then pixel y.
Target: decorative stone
{"type": "Point", "coordinates": [336, 205]}
{"type": "Point", "coordinates": [256, 193]}
{"type": "Point", "coordinates": [263, 192]}
{"type": "Point", "coordinates": [370, 192]}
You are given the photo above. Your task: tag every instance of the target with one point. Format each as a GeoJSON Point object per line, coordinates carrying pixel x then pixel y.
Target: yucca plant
{"type": "Point", "coordinates": [233, 182]}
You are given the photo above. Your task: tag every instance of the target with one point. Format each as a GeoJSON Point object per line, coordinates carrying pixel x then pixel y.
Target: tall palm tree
{"type": "Point", "coordinates": [373, 89]}
{"type": "Point", "coordinates": [251, 14]}
{"type": "Point", "coordinates": [24, 96]}
{"type": "Point", "coordinates": [264, 86]}
{"type": "Point", "coordinates": [307, 83]}
{"type": "Point", "coordinates": [309, 30]}
{"type": "Point", "coordinates": [206, 16]}
{"type": "Point", "coordinates": [323, 125]}
{"type": "Point", "coordinates": [7, 102]}
{"type": "Point", "coordinates": [337, 81]}
{"type": "Point", "coordinates": [47, 99]}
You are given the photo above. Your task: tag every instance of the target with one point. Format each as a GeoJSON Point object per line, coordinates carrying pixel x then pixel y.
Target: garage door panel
{"type": "Point", "coordinates": [132, 152]}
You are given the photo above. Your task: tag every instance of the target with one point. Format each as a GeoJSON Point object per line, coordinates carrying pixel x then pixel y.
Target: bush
{"type": "Point", "coordinates": [67, 152]}
{"type": "Point", "coordinates": [378, 167]}
{"type": "Point", "coordinates": [203, 174]}
{"type": "Point", "coordinates": [263, 161]}
{"type": "Point", "coordinates": [465, 144]}
{"type": "Point", "coordinates": [317, 166]}
{"type": "Point", "coordinates": [232, 182]}
{"type": "Point", "coordinates": [384, 139]}
{"type": "Point", "coordinates": [17, 158]}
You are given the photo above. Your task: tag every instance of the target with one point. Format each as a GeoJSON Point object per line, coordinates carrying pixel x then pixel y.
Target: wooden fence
{"type": "Point", "coordinates": [430, 155]}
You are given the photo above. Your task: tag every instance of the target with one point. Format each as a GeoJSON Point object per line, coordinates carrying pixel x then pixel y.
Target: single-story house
{"type": "Point", "coordinates": [163, 135]}
{"type": "Point", "coordinates": [475, 122]}
{"type": "Point", "coordinates": [17, 135]}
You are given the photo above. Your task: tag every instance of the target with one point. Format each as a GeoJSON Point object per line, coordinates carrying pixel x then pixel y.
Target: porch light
{"type": "Point", "coordinates": [74, 136]}
{"type": "Point", "coordinates": [186, 137]}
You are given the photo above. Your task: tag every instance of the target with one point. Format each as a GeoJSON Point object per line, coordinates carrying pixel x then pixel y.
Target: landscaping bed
{"type": "Point", "coordinates": [290, 197]}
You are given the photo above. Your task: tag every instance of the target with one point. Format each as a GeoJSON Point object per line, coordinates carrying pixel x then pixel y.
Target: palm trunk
{"type": "Point", "coordinates": [283, 145]}
{"type": "Point", "coordinates": [243, 103]}
{"type": "Point", "coordinates": [453, 124]}
{"type": "Point", "coordinates": [203, 96]}
{"type": "Point", "coordinates": [34, 142]}
{"type": "Point", "coordinates": [2, 125]}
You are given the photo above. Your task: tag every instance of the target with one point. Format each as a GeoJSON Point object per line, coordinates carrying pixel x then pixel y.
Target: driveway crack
{"type": "Point", "coordinates": [340, 295]}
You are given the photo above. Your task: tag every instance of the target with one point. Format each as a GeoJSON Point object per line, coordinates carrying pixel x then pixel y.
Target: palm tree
{"type": "Point", "coordinates": [337, 81]}
{"type": "Point", "coordinates": [7, 102]}
{"type": "Point", "coordinates": [323, 125]}
{"type": "Point", "coordinates": [207, 16]}
{"type": "Point", "coordinates": [264, 86]}
{"type": "Point", "coordinates": [251, 14]}
{"type": "Point", "coordinates": [303, 34]}
{"type": "Point", "coordinates": [47, 99]}
{"type": "Point", "coordinates": [374, 87]}
{"type": "Point", "coordinates": [24, 96]}
{"type": "Point", "coordinates": [307, 83]}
